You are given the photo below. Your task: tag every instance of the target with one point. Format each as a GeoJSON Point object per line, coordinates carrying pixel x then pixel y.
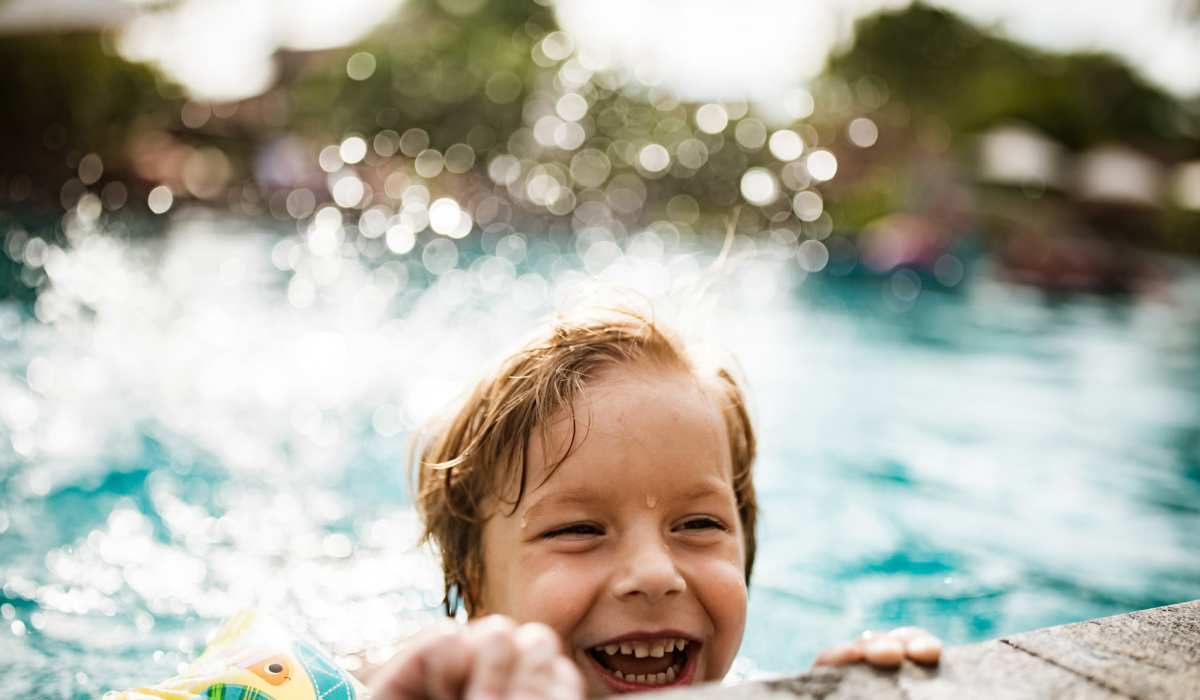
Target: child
{"type": "Point", "coordinates": [593, 506]}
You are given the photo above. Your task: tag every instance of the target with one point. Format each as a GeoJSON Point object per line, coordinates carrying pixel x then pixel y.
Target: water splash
{"type": "Point", "coordinates": [218, 419]}
{"type": "Point", "coordinates": [224, 414]}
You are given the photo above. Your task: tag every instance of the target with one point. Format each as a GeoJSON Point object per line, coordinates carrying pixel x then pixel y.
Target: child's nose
{"type": "Point", "coordinates": [649, 572]}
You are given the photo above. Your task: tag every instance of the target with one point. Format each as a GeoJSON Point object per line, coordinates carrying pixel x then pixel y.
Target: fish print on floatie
{"type": "Point", "coordinates": [253, 657]}
{"type": "Point", "coordinates": [275, 670]}
{"type": "Point", "coordinates": [221, 691]}
{"type": "Point", "coordinates": [330, 681]}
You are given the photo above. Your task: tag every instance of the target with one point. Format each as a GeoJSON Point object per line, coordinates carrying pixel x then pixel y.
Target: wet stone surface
{"type": "Point", "coordinates": [1147, 654]}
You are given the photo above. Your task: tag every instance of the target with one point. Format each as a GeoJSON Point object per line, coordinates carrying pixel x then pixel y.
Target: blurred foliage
{"type": "Point", "coordinates": [871, 198]}
{"type": "Point", "coordinates": [928, 79]}
{"type": "Point", "coordinates": [68, 93]}
{"type": "Point", "coordinates": [949, 81]}
{"type": "Point", "coordinates": [431, 74]}
{"type": "Point", "coordinates": [942, 66]}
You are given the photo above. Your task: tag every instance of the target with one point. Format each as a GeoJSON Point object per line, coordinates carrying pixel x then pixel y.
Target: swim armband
{"type": "Point", "coordinates": [252, 657]}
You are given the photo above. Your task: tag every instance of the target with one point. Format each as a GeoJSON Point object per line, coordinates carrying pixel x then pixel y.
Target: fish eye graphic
{"type": "Point", "coordinates": [274, 670]}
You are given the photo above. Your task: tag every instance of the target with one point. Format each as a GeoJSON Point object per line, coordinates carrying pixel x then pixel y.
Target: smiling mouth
{"type": "Point", "coordinates": [645, 664]}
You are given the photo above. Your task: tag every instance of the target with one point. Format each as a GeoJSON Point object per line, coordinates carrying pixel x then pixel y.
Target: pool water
{"type": "Point", "coordinates": [218, 418]}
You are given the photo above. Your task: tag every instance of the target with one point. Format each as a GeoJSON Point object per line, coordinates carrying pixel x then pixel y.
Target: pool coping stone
{"type": "Point", "coordinates": [1151, 653]}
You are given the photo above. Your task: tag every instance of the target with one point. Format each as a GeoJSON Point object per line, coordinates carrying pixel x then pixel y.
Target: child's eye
{"type": "Point", "coordinates": [702, 524]}
{"type": "Point", "coordinates": [575, 529]}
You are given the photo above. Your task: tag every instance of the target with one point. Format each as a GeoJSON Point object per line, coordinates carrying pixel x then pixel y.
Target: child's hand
{"type": "Point", "coordinates": [491, 659]}
{"type": "Point", "coordinates": [885, 649]}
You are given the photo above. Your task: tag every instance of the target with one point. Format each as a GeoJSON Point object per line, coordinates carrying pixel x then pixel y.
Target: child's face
{"type": "Point", "coordinates": [634, 542]}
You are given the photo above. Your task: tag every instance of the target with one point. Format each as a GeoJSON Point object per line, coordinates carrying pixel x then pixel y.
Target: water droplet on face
{"type": "Point", "coordinates": [651, 501]}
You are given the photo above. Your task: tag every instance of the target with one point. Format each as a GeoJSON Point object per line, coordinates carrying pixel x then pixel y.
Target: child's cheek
{"type": "Point", "coordinates": [558, 589]}
{"type": "Point", "coordinates": [720, 585]}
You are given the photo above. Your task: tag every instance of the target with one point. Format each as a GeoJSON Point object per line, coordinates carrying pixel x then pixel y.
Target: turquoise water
{"type": "Point", "coordinates": [218, 418]}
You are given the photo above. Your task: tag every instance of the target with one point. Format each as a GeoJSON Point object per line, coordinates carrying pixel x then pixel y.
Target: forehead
{"type": "Point", "coordinates": [633, 428]}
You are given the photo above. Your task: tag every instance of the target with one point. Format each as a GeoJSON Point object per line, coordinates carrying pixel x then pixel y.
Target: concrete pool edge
{"type": "Point", "coordinates": [1152, 653]}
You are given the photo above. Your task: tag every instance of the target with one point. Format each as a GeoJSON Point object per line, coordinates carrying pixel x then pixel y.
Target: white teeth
{"type": "Point", "coordinates": [669, 676]}
{"type": "Point", "coordinates": [642, 649]}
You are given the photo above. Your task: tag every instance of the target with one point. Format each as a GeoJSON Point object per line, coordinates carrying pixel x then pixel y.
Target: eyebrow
{"type": "Point", "coordinates": [703, 490]}
{"type": "Point", "coordinates": [585, 497]}
{"type": "Point", "coordinates": [565, 497]}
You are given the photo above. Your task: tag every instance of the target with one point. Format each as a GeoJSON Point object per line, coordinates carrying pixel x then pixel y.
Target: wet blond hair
{"type": "Point", "coordinates": [481, 450]}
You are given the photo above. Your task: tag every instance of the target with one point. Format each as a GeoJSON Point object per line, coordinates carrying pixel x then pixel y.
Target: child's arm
{"type": "Point", "coordinates": [491, 659]}
{"type": "Point", "coordinates": [885, 649]}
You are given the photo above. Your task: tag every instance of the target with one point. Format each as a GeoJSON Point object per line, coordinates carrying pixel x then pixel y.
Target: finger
{"type": "Point", "coordinates": [907, 634]}
{"type": "Point", "coordinates": [556, 679]}
{"type": "Point", "coordinates": [883, 651]}
{"type": "Point", "coordinates": [840, 655]}
{"type": "Point", "coordinates": [926, 649]}
{"type": "Point", "coordinates": [538, 651]}
{"type": "Point", "coordinates": [566, 680]}
{"type": "Point", "coordinates": [401, 679]}
{"type": "Point", "coordinates": [495, 658]}
{"type": "Point", "coordinates": [447, 665]}
{"type": "Point", "coordinates": [537, 644]}
{"type": "Point", "coordinates": [405, 676]}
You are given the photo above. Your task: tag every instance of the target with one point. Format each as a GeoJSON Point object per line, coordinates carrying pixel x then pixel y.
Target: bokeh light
{"type": "Point", "coordinates": [352, 150]}
{"type": "Point", "coordinates": [862, 132]}
{"type": "Point", "coordinates": [160, 199]}
{"type": "Point", "coordinates": [360, 66]}
{"type": "Point", "coordinates": [759, 186]}
{"type": "Point", "coordinates": [786, 145]}
{"type": "Point", "coordinates": [712, 118]}
{"type": "Point", "coordinates": [807, 205]}
{"type": "Point", "coordinates": [654, 158]}
{"type": "Point", "coordinates": [822, 164]}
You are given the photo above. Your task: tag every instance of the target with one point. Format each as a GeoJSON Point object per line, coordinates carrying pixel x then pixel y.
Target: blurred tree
{"type": "Point", "coordinates": [67, 95]}
{"type": "Point", "coordinates": [432, 71]}
{"type": "Point", "coordinates": [943, 66]}
{"type": "Point", "coordinates": [472, 73]}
